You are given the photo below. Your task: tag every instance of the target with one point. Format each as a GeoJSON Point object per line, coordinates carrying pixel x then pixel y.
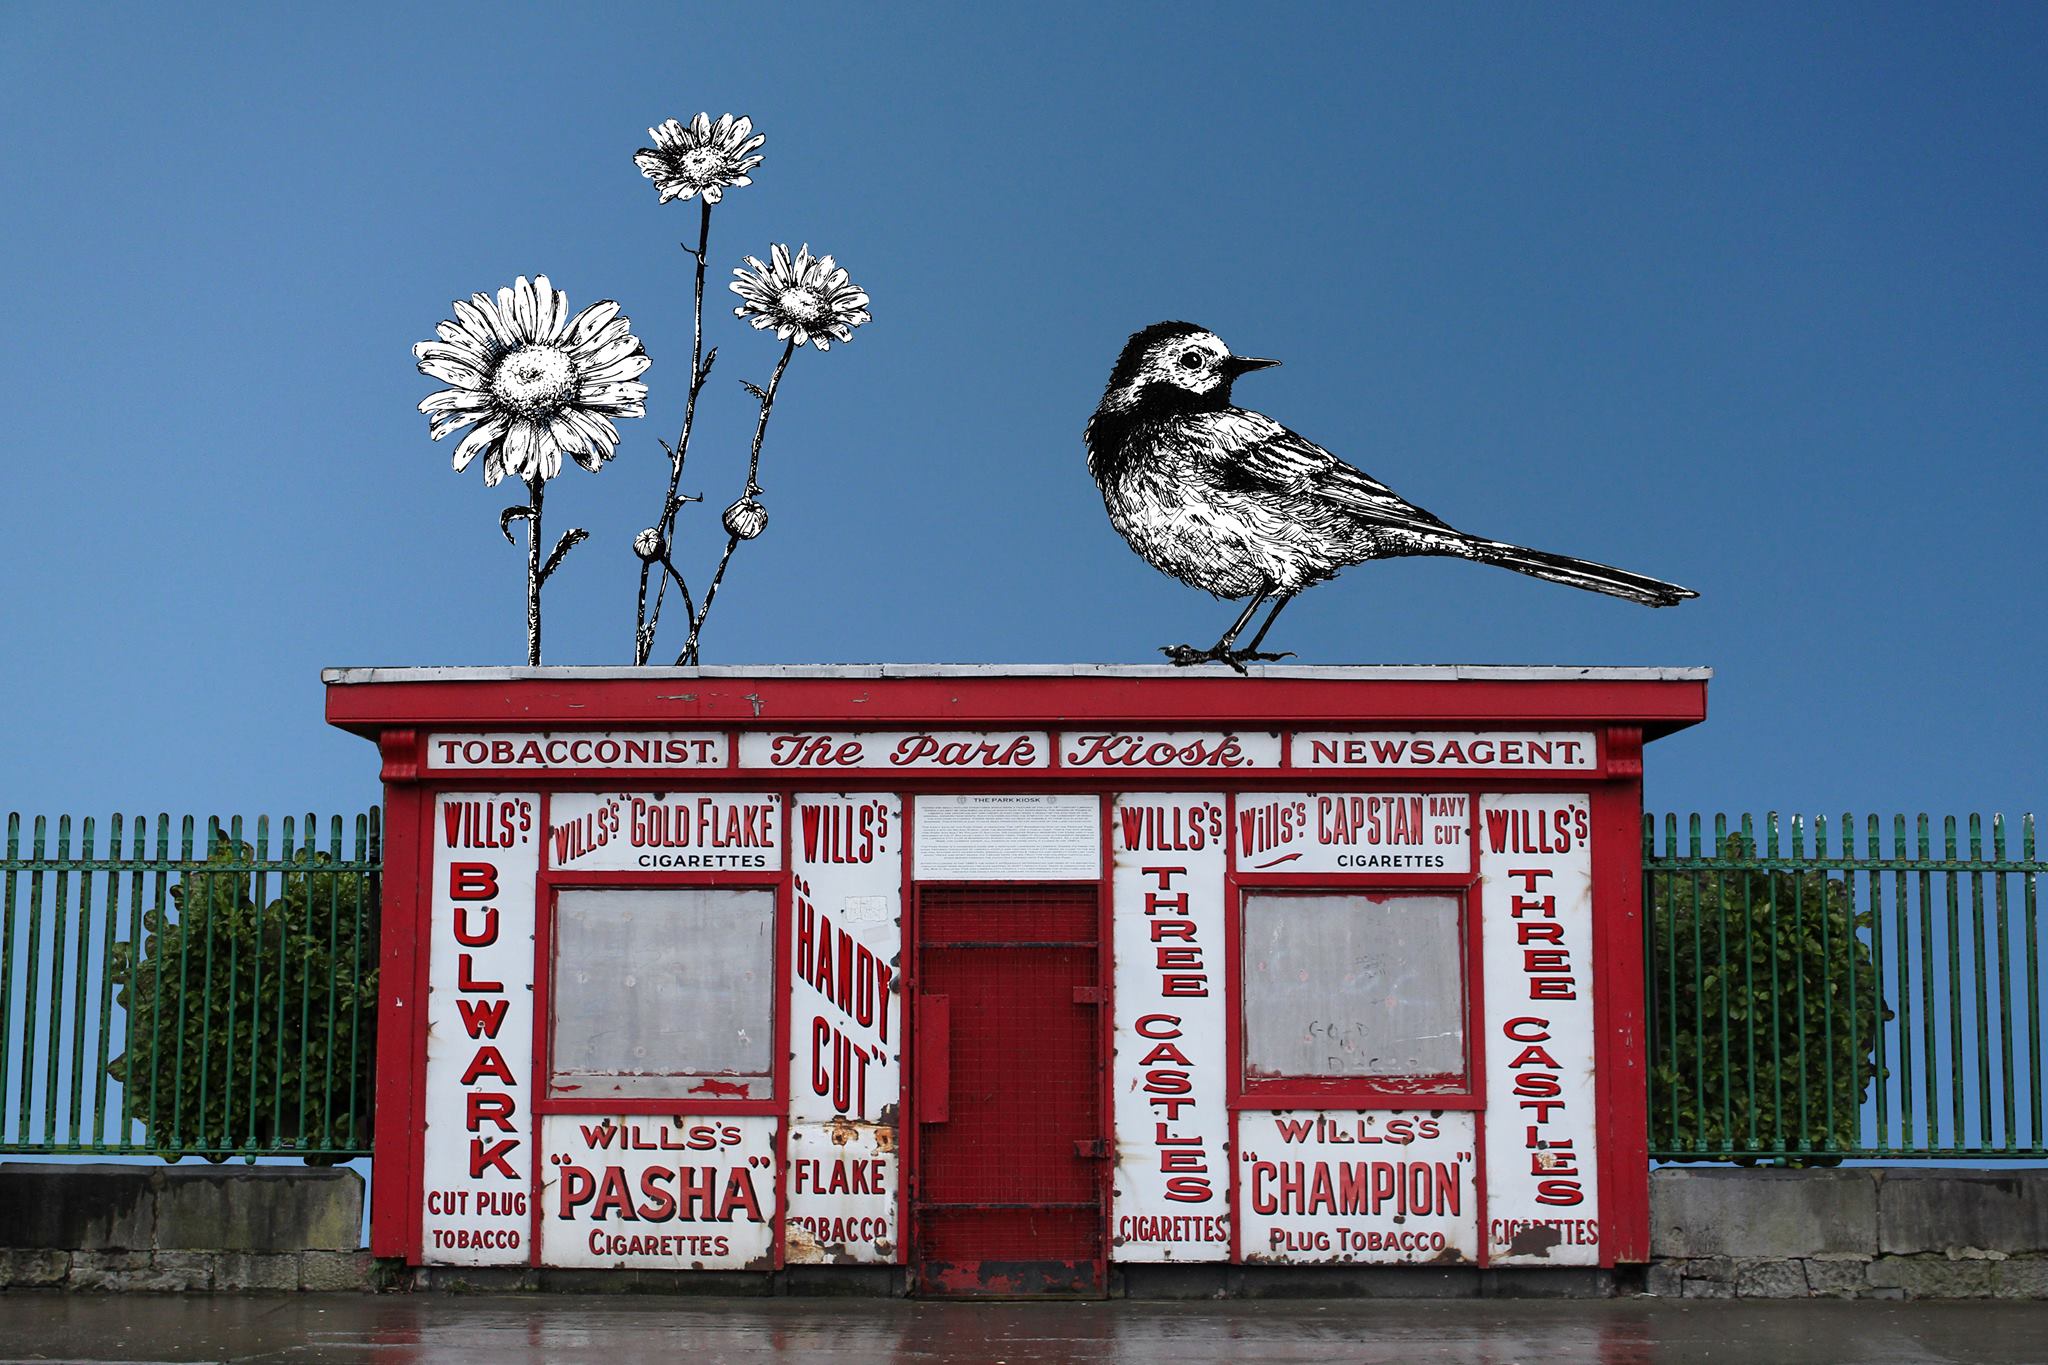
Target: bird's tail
{"type": "Point", "coordinates": [1577, 573]}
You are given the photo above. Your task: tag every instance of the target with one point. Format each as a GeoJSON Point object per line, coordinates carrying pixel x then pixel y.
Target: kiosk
{"type": "Point", "coordinates": [1022, 979]}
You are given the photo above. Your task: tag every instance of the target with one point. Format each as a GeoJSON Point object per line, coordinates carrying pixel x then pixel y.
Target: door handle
{"type": "Point", "coordinates": [934, 1058]}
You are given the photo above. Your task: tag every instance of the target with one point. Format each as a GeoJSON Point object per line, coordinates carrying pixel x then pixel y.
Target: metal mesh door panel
{"type": "Point", "coordinates": [1009, 1195]}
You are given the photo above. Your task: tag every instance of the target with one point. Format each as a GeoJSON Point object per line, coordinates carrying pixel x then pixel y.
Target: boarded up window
{"type": "Point", "coordinates": [1365, 986]}
{"type": "Point", "coordinates": [663, 994]}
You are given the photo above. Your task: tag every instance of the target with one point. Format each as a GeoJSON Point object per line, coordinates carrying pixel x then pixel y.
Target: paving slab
{"type": "Point", "coordinates": [396, 1329]}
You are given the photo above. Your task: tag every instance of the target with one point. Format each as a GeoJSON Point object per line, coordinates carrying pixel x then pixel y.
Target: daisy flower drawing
{"type": "Point", "coordinates": [532, 384]}
{"type": "Point", "coordinates": [805, 299]}
{"type": "Point", "coordinates": [700, 157]}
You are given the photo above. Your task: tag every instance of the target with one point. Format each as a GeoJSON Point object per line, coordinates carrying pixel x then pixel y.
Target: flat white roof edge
{"type": "Point", "coordinates": [1346, 672]}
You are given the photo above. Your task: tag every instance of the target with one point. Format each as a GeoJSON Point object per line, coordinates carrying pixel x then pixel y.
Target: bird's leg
{"type": "Point", "coordinates": [1252, 650]}
{"type": "Point", "coordinates": [1224, 651]}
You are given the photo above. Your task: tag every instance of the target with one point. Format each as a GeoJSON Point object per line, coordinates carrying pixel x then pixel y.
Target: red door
{"type": "Point", "coordinates": [1010, 1138]}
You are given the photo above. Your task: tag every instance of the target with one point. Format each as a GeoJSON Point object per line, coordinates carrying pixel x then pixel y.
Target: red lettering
{"type": "Point", "coordinates": [472, 881]}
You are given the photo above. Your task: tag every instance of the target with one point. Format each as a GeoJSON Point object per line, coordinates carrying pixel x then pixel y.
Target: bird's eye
{"type": "Point", "coordinates": [1191, 360]}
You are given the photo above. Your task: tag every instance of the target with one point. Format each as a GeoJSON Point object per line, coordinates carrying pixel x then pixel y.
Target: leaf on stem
{"type": "Point", "coordinates": [755, 389]}
{"type": "Point", "coordinates": [508, 516]}
{"type": "Point", "coordinates": [569, 541]}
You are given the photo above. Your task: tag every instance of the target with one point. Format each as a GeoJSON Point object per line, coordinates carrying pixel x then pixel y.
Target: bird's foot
{"type": "Point", "coordinates": [1187, 656]}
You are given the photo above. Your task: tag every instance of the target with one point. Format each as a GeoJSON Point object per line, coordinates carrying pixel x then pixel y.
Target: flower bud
{"type": "Point", "coordinates": [745, 519]}
{"type": "Point", "coordinates": [648, 544]}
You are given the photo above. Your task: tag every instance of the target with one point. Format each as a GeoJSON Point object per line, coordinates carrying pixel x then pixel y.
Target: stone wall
{"type": "Point", "coordinates": [1861, 1232]}
{"type": "Point", "coordinates": [181, 1228]}
{"type": "Point", "coordinates": [1868, 1232]}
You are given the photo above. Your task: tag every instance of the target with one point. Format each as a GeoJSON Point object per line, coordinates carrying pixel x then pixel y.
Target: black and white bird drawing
{"type": "Point", "coordinates": [1230, 501]}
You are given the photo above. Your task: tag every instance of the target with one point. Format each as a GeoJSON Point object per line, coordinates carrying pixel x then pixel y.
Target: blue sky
{"type": "Point", "coordinates": [1751, 298]}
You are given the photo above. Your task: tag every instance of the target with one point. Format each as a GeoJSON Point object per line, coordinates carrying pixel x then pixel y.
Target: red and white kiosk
{"type": "Point", "coordinates": [1023, 979]}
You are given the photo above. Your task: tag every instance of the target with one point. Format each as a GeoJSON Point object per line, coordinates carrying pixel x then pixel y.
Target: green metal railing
{"type": "Point", "coordinates": [1874, 992]}
{"type": "Point", "coordinates": [210, 994]}
{"type": "Point", "coordinates": [1875, 996]}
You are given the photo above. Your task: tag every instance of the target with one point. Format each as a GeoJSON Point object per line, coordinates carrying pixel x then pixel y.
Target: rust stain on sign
{"type": "Point", "coordinates": [1535, 1241]}
{"type": "Point", "coordinates": [846, 1132]}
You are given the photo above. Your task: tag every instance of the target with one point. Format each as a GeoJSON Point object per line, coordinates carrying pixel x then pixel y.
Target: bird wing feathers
{"type": "Point", "coordinates": [1258, 453]}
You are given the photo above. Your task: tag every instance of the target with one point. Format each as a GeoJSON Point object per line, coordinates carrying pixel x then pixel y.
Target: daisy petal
{"type": "Point", "coordinates": [455, 400]}
{"type": "Point", "coordinates": [524, 312]}
{"type": "Point", "coordinates": [477, 322]}
{"type": "Point", "coordinates": [554, 309]}
{"type": "Point", "coordinates": [629, 366]}
{"type": "Point", "coordinates": [458, 337]}
{"type": "Point", "coordinates": [484, 435]}
{"type": "Point", "coordinates": [611, 397]}
{"type": "Point", "coordinates": [599, 355]}
{"type": "Point", "coordinates": [448, 423]}
{"type": "Point", "coordinates": [523, 449]}
{"type": "Point", "coordinates": [565, 435]}
{"type": "Point", "coordinates": [592, 320]}
{"type": "Point", "coordinates": [451, 371]}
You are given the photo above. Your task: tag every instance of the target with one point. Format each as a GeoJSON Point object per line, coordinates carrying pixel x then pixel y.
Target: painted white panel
{"type": "Point", "coordinates": [665, 832]}
{"type": "Point", "coordinates": [842, 1195]}
{"type": "Point", "coordinates": [1172, 1176]}
{"type": "Point", "coordinates": [846, 1029]}
{"type": "Point", "coordinates": [1500, 750]}
{"type": "Point", "coordinates": [477, 1151]}
{"type": "Point", "coordinates": [1008, 837]}
{"type": "Point", "coordinates": [625, 750]}
{"type": "Point", "coordinates": [1542, 1177]}
{"type": "Point", "coordinates": [1353, 832]}
{"type": "Point", "coordinates": [1136, 750]}
{"type": "Point", "coordinates": [1375, 1186]}
{"type": "Point", "coordinates": [961, 750]}
{"type": "Point", "coordinates": [658, 1192]}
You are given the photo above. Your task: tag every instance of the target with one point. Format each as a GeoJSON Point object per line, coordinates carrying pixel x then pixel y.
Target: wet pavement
{"type": "Point", "coordinates": [398, 1329]}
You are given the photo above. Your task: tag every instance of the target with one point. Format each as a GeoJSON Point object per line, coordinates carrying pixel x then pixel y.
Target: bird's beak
{"type": "Point", "coordinates": [1245, 364]}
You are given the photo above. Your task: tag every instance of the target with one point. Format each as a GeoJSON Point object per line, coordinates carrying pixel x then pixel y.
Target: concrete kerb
{"type": "Point", "coordinates": [1862, 1232]}
{"type": "Point", "coordinates": [170, 1229]}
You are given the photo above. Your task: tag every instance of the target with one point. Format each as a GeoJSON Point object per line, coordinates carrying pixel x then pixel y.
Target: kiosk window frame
{"type": "Point", "coordinates": [708, 1092]}
{"type": "Point", "coordinates": [1453, 1084]}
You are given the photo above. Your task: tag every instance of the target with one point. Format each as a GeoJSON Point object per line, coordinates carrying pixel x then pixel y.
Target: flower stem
{"type": "Point", "coordinates": [761, 427]}
{"type": "Point", "coordinates": [689, 656]}
{"type": "Point", "coordinates": [535, 486]}
{"type": "Point", "coordinates": [643, 636]}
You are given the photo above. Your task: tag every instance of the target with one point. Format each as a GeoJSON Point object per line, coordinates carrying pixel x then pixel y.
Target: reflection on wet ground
{"type": "Point", "coordinates": [399, 1329]}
